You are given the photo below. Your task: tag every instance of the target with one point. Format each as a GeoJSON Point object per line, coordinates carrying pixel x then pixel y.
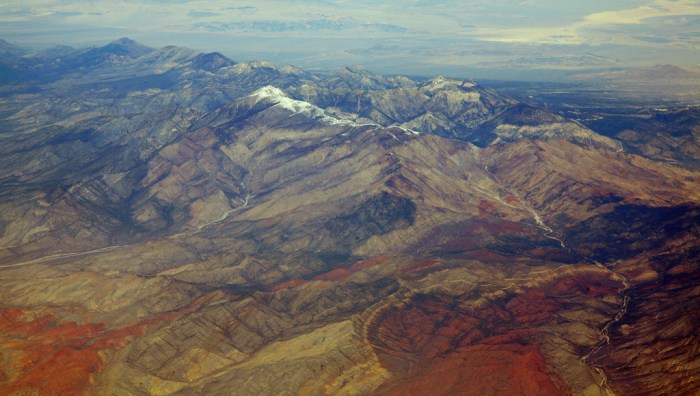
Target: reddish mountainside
{"type": "Point", "coordinates": [271, 247]}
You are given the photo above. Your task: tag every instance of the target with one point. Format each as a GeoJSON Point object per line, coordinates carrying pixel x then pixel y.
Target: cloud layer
{"type": "Point", "coordinates": [530, 33]}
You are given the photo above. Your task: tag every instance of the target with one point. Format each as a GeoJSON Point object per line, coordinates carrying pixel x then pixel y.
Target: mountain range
{"type": "Point", "coordinates": [175, 222]}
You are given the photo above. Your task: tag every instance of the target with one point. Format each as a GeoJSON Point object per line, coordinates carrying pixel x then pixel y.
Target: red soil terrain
{"type": "Point", "coordinates": [340, 274]}
{"type": "Point", "coordinates": [53, 358]}
{"type": "Point", "coordinates": [40, 354]}
{"type": "Point", "coordinates": [441, 345]}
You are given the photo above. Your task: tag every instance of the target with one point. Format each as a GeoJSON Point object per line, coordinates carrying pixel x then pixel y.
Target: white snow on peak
{"type": "Point", "coordinates": [280, 99]}
{"type": "Point", "coordinates": [439, 82]}
{"type": "Point", "coordinates": [269, 92]}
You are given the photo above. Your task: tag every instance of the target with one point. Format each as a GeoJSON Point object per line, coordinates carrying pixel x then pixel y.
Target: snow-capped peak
{"type": "Point", "coordinates": [276, 96]}
{"type": "Point", "coordinates": [269, 92]}
{"type": "Point", "coordinates": [280, 99]}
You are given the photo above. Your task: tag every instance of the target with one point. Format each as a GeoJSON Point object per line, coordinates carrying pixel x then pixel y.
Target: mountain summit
{"type": "Point", "coordinates": [127, 47]}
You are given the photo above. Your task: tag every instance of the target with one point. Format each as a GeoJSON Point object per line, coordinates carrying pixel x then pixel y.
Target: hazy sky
{"type": "Point", "coordinates": [413, 35]}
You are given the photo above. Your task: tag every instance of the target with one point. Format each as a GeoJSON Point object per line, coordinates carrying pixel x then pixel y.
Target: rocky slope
{"type": "Point", "coordinates": [234, 236]}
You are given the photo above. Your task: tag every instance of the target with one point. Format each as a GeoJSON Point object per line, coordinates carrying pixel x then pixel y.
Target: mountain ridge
{"type": "Point", "coordinates": [179, 223]}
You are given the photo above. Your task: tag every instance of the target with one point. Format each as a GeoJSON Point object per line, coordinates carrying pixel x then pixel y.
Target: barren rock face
{"type": "Point", "coordinates": [382, 237]}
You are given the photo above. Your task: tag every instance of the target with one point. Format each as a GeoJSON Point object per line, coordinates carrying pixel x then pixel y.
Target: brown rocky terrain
{"type": "Point", "coordinates": [269, 246]}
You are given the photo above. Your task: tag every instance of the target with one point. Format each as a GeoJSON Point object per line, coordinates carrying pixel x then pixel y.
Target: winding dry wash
{"type": "Point", "coordinates": [176, 223]}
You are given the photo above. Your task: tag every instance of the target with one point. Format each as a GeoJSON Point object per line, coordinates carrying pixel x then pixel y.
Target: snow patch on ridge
{"type": "Point", "coordinates": [280, 99]}
{"type": "Point", "coordinates": [407, 130]}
